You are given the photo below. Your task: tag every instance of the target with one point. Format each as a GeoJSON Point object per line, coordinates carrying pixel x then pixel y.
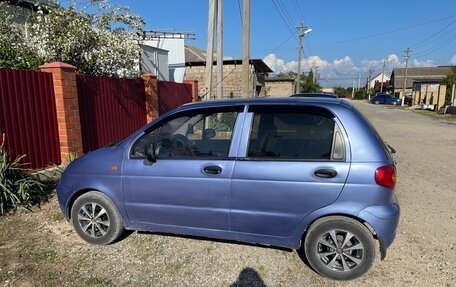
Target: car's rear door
{"type": "Point", "coordinates": [292, 160]}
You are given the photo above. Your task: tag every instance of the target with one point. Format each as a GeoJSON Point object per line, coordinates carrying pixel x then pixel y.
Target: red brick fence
{"type": "Point", "coordinates": [50, 114]}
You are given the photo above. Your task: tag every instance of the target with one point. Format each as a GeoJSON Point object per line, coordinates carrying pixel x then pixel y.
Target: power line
{"type": "Point", "coordinates": [283, 17]}
{"type": "Point", "coordinates": [298, 9]}
{"type": "Point", "coordinates": [418, 44]}
{"type": "Point", "coordinates": [389, 31]}
{"type": "Point", "coordinates": [436, 48]}
{"type": "Point", "coordinates": [240, 12]}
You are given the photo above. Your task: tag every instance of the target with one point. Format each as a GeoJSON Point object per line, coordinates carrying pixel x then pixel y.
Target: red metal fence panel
{"type": "Point", "coordinates": [172, 95]}
{"type": "Point", "coordinates": [110, 109]}
{"type": "Point", "coordinates": [28, 116]}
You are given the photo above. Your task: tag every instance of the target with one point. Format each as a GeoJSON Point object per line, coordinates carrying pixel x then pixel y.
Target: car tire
{"type": "Point", "coordinates": [96, 219]}
{"type": "Point", "coordinates": [351, 258]}
{"type": "Point", "coordinates": [376, 102]}
{"type": "Point", "coordinates": [395, 103]}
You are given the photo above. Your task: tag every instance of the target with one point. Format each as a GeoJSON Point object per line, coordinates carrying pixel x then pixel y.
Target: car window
{"type": "Point", "coordinates": [197, 135]}
{"type": "Point", "coordinates": [291, 135]}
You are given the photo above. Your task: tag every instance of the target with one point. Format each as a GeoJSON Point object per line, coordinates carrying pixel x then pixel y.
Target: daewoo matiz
{"type": "Point", "coordinates": [290, 172]}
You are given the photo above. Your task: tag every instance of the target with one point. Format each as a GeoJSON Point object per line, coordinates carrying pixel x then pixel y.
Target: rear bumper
{"type": "Point", "coordinates": [384, 219]}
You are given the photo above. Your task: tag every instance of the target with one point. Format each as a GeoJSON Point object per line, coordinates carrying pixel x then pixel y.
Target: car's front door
{"type": "Point", "coordinates": [294, 162]}
{"type": "Point", "coordinates": [189, 183]}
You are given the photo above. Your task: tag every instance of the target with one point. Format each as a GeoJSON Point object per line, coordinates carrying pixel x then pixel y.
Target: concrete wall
{"type": "Point", "coordinates": [232, 75]}
{"type": "Point", "coordinates": [279, 88]}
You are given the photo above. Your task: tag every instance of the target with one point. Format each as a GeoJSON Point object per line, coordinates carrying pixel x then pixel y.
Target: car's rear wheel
{"type": "Point", "coordinates": [339, 248]}
{"type": "Point", "coordinates": [376, 102]}
{"type": "Point", "coordinates": [96, 219]}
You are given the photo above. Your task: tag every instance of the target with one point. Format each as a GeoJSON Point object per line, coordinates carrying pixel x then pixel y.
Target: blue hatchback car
{"type": "Point", "coordinates": [293, 172]}
{"type": "Point", "coordinates": [386, 99]}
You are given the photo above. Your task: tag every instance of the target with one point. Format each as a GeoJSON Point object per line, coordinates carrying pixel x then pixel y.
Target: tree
{"type": "Point", "coordinates": [14, 52]}
{"type": "Point", "coordinates": [98, 43]}
{"type": "Point", "coordinates": [450, 80]}
{"type": "Point", "coordinates": [308, 85]}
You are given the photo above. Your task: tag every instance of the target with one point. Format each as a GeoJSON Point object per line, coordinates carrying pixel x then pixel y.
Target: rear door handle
{"type": "Point", "coordinates": [212, 169]}
{"type": "Point", "coordinates": [326, 173]}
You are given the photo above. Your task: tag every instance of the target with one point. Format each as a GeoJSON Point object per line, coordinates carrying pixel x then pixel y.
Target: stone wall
{"type": "Point", "coordinates": [232, 75]}
{"type": "Point", "coordinates": [279, 88]}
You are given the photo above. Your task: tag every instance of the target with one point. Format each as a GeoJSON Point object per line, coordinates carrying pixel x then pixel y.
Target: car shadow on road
{"type": "Point", "coordinates": [249, 277]}
{"type": "Point", "coordinates": [214, 240]}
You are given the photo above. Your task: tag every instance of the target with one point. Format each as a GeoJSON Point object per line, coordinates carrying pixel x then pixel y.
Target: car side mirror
{"type": "Point", "coordinates": [208, 134]}
{"type": "Point", "coordinates": [149, 152]}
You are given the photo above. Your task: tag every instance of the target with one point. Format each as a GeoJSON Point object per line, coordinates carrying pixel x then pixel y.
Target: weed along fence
{"type": "Point", "coordinates": [51, 114]}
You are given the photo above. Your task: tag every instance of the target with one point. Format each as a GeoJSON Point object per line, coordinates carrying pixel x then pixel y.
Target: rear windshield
{"type": "Point", "coordinates": [377, 135]}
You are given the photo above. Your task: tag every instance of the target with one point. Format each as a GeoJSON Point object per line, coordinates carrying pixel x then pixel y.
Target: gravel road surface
{"type": "Point", "coordinates": [40, 248]}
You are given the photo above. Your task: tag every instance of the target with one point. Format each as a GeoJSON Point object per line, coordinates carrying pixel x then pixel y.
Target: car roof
{"type": "Point", "coordinates": [252, 101]}
{"type": "Point", "coordinates": [317, 95]}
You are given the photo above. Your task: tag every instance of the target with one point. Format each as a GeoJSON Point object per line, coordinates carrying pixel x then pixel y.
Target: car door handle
{"type": "Point", "coordinates": [326, 173]}
{"type": "Point", "coordinates": [212, 169]}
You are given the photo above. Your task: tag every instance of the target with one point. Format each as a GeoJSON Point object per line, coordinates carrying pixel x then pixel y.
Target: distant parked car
{"type": "Point", "coordinates": [385, 99]}
{"type": "Point", "coordinates": [314, 95]}
{"type": "Point", "coordinates": [293, 172]}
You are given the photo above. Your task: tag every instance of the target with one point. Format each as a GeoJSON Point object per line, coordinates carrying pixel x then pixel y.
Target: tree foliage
{"type": "Point", "coordinates": [450, 80]}
{"type": "Point", "coordinates": [98, 43]}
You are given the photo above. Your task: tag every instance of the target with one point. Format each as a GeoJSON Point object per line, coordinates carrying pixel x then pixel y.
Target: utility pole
{"type": "Point", "coordinates": [246, 50]}
{"type": "Point", "coordinates": [369, 82]}
{"type": "Point", "coordinates": [302, 31]}
{"type": "Point", "coordinates": [359, 81]}
{"type": "Point", "coordinates": [353, 89]}
{"type": "Point", "coordinates": [407, 57]}
{"type": "Point", "coordinates": [219, 50]}
{"type": "Point", "coordinates": [298, 76]}
{"type": "Point", "coordinates": [210, 47]}
{"type": "Point", "coordinates": [383, 73]}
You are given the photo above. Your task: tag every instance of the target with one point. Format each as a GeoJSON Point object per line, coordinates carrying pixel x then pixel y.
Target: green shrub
{"type": "Point", "coordinates": [18, 188]}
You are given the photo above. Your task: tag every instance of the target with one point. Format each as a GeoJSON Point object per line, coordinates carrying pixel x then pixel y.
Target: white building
{"type": "Point", "coordinates": [378, 78]}
{"type": "Point", "coordinates": [175, 58]}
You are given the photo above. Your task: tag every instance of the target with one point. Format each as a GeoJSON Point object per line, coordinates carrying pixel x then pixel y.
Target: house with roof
{"type": "Point", "coordinates": [424, 84]}
{"type": "Point", "coordinates": [379, 80]}
{"type": "Point", "coordinates": [195, 67]}
{"type": "Point", "coordinates": [279, 87]}
{"type": "Point", "coordinates": [427, 75]}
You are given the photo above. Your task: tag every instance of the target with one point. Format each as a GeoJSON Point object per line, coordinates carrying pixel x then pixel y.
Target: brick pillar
{"type": "Point", "coordinates": [194, 83]}
{"type": "Point", "coordinates": [66, 99]}
{"type": "Point", "coordinates": [151, 91]}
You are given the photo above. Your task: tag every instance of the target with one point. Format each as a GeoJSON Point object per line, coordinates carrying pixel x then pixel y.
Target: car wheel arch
{"type": "Point", "coordinates": [327, 216]}
{"type": "Point", "coordinates": [81, 192]}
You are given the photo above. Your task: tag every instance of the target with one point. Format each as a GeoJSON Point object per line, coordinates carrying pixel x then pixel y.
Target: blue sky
{"type": "Point", "coordinates": [348, 36]}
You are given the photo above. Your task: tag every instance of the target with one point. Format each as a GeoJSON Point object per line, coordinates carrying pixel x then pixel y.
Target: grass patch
{"type": "Point", "coordinates": [44, 255]}
{"type": "Point", "coordinates": [97, 281]}
{"type": "Point", "coordinates": [435, 115]}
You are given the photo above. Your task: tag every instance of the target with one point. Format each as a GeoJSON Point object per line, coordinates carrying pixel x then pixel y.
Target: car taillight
{"type": "Point", "coordinates": [386, 176]}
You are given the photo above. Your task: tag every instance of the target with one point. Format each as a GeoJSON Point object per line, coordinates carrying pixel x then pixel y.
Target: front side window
{"type": "Point", "coordinates": [196, 135]}
{"type": "Point", "coordinates": [294, 134]}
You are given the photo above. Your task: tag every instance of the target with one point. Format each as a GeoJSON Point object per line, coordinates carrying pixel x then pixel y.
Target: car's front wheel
{"type": "Point", "coordinates": [96, 219]}
{"type": "Point", "coordinates": [339, 248]}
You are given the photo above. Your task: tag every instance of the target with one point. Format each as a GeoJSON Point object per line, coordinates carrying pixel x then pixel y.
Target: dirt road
{"type": "Point", "coordinates": [42, 249]}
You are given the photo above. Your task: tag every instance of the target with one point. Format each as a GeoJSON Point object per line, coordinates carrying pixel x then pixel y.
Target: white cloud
{"type": "Point", "coordinates": [344, 67]}
{"type": "Point", "coordinates": [453, 60]}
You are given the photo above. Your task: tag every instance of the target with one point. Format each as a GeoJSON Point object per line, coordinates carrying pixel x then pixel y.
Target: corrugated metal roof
{"type": "Point", "coordinates": [421, 74]}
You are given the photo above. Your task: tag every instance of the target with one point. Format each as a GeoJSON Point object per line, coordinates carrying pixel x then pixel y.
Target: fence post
{"type": "Point", "coordinates": [194, 92]}
{"type": "Point", "coordinates": [66, 99]}
{"type": "Point", "coordinates": [151, 91]}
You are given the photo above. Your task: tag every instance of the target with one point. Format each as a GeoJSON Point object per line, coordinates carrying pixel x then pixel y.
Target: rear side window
{"type": "Point", "coordinates": [291, 133]}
